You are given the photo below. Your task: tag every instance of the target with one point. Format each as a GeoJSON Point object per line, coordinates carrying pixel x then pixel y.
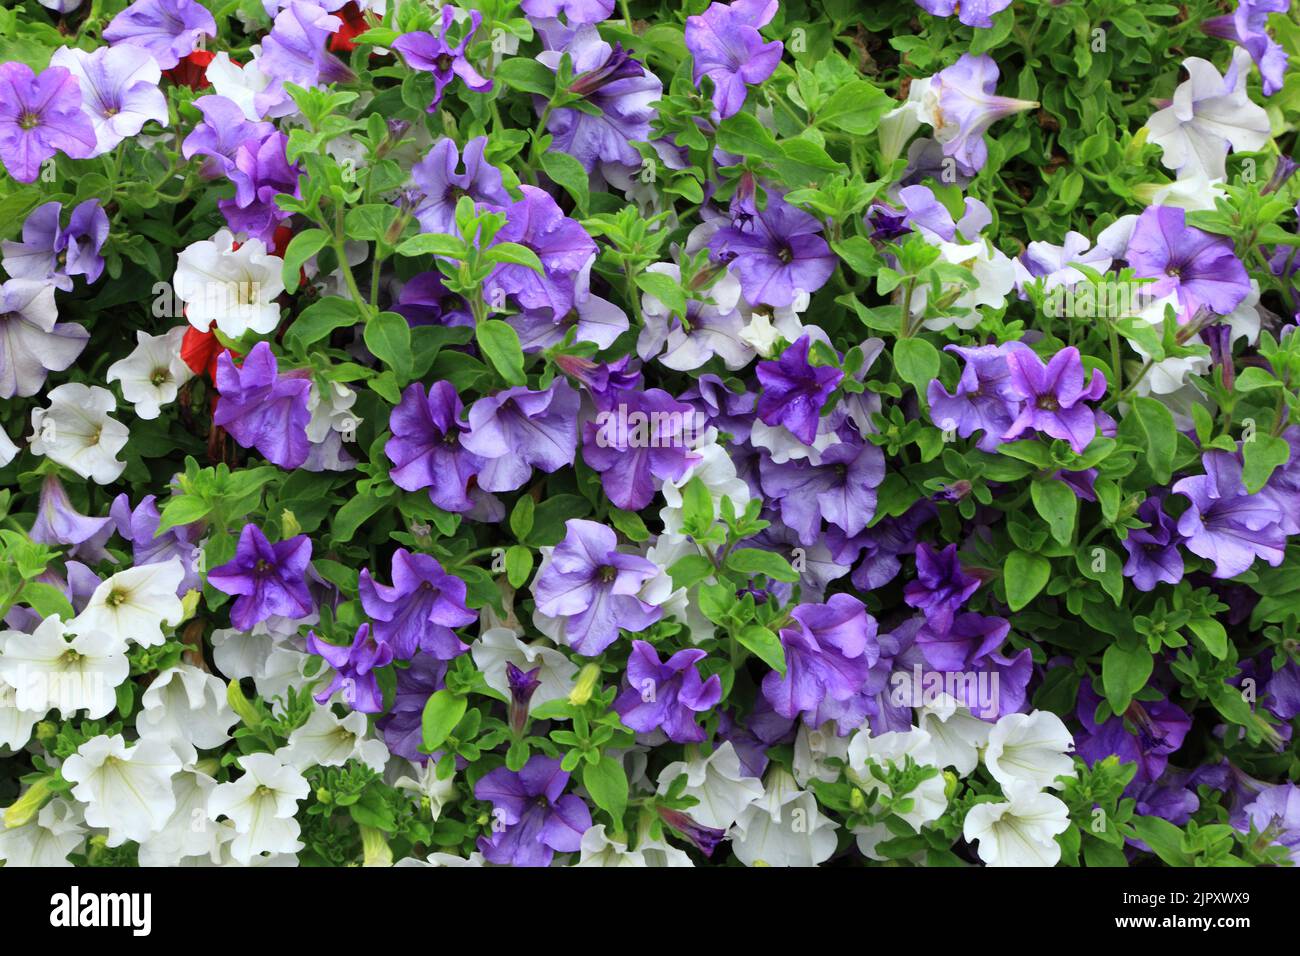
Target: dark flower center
{"type": "Point", "coordinates": [786, 255]}
{"type": "Point", "coordinates": [444, 62]}
{"type": "Point", "coordinates": [29, 120]}
{"type": "Point", "coordinates": [1048, 403]}
{"type": "Point", "coordinates": [606, 573]}
{"type": "Point", "coordinates": [262, 566]}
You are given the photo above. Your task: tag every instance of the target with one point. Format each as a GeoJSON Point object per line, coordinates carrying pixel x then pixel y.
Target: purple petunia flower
{"type": "Point", "coordinates": [1153, 554]}
{"type": "Point", "coordinates": [523, 685]}
{"type": "Point", "coordinates": [426, 300]}
{"type": "Point", "coordinates": [1275, 814]}
{"type": "Point", "coordinates": [794, 391]}
{"type": "Point", "coordinates": [1146, 734]}
{"type": "Point", "coordinates": [776, 254]}
{"type": "Point", "coordinates": [354, 669]}
{"type": "Point", "coordinates": [667, 694]}
{"type": "Point", "coordinates": [32, 341]}
{"type": "Point", "coordinates": [1224, 523]}
{"type": "Point", "coordinates": [973, 13]}
{"type": "Point", "coordinates": [402, 725]}
{"type": "Point", "coordinates": [1053, 395]}
{"type": "Point", "coordinates": [223, 130]}
{"type": "Point", "coordinates": [616, 89]}
{"type": "Point", "coordinates": [840, 490]}
{"type": "Point", "coordinates": [418, 611]}
{"type": "Point", "coordinates": [941, 586]}
{"type": "Point", "coordinates": [561, 244]}
{"type": "Point", "coordinates": [983, 400]}
{"type": "Point", "coordinates": [425, 448]}
{"type": "Point", "coordinates": [442, 186]}
{"type": "Point", "coordinates": [294, 51]}
{"type": "Point", "coordinates": [1247, 26]}
{"type": "Point", "coordinates": [39, 116]}
{"type": "Point", "coordinates": [269, 579]}
{"type": "Point", "coordinates": [829, 652]}
{"type": "Point", "coordinates": [263, 409]}
{"type": "Point", "coordinates": [432, 54]}
{"type": "Point", "coordinates": [1200, 268]}
{"type": "Point", "coordinates": [727, 48]}
{"type": "Point", "coordinates": [646, 436]}
{"type": "Point", "coordinates": [586, 589]}
{"type": "Point", "coordinates": [58, 522]}
{"type": "Point", "coordinates": [533, 819]}
{"type": "Point", "coordinates": [517, 430]}
{"type": "Point", "coordinates": [261, 171]}
{"type": "Point", "coordinates": [168, 29]}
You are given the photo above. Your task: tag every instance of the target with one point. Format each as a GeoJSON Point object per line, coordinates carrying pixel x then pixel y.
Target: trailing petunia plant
{"type": "Point", "coordinates": [561, 432]}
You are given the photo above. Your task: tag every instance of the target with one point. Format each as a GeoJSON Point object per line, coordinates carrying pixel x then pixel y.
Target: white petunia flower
{"type": "Point", "coordinates": [127, 790]}
{"type": "Point", "coordinates": [598, 849]}
{"type": "Point", "coordinates": [869, 759]}
{"type": "Point", "coordinates": [718, 783]}
{"type": "Point", "coordinates": [48, 671]}
{"type": "Point", "coordinates": [1031, 749]}
{"type": "Point", "coordinates": [442, 859]}
{"type": "Point", "coordinates": [1019, 832]}
{"type": "Point", "coordinates": [1193, 192]}
{"type": "Point", "coordinates": [813, 748]}
{"type": "Point", "coordinates": [329, 741]}
{"type": "Point", "coordinates": [235, 288]}
{"type": "Point", "coordinates": [8, 450]}
{"type": "Point", "coordinates": [15, 722]}
{"type": "Point", "coordinates": [132, 605]}
{"type": "Point", "coordinates": [715, 327]}
{"type": "Point", "coordinates": [242, 85]}
{"type": "Point", "coordinates": [1209, 115]}
{"type": "Point", "coordinates": [188, 832]}
{"type": "Point", "coordinates": [956, 734]}
{"type": "Point", "coordinates": [32, 340]}
{"type": "Point", "coordinates": [76, 432]}
{"type": "Point", "coordinates": [498, 646]}
{"type": "Point", "coordinates": [680, 604]}
{"type": "Point", "coordinates": [45, 841]}
{"type": "Point", "coordinates": [152, 374]}
{"type": "Point", "coordinates": [188, 704]}
{"type": "Point", "coordinates": [426, 783]}
{"type": "Point", "coordinates": [261, 804]}
{"type": "Point", "coordinates": [783, 827]}
{"type": "Point", "coordinates": [995, 277]}
{"type": "Point", "coordinates": [273, 665]}
{"type": "Point", "coordinates": [718, 473]}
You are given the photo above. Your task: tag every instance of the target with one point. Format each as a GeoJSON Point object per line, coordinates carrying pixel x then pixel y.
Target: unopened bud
{"type": "Point", "coordinates": [25, 808]}
{"type": "Point", "coordinates": [586, 685]}
{"type": "Point", "coordinates": [375, 849]}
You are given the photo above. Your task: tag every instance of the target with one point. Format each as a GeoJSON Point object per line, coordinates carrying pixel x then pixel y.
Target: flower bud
{"type": "Point", "coordinates": [24, 809]}
{"type": "Point", "coordinates": [588, 678]}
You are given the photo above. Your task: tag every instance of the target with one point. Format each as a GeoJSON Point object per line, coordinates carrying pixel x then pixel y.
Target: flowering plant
{"type": "Point", "coordinates": [532, 433]}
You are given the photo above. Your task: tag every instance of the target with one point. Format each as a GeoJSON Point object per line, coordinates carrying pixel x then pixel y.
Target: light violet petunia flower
{"type": "Point", "coordinates": [269, 579]}
{"type": "Point", "coordinates": [1209, 115]}
{"type": "Point", "coordinates": [517, 430]}
{"type": "Point", "coordinates": [575, 11]}
{"type": "Point", "coordinates": [666, 695]}
{"type": "Point", "coordinates": [55, 254]}
{"type": "Point", "coordinates": [533, 819]}
{"type": "Point", "coordinates": [76, 432]}
{"type": "Point", "coordinates": [294, 51]}
{"type": "Point", "coordinates": [1200, 268]}
{"type": "Point", "coordinates": [442, 186]}
{"type": "Point", "coordinates": [119, 90]}
{"type": "Point", "coordinates": [776, 253]}
{"type": "Point", "coordinates": [32, 341]}
{"type": "Point", "coordinates": [167, 29]}
{"type": "Point", "coordinates": [1225, 524]}
{"type": "Point", "coordinates": [1053, 396]}
{"type": "Point", "coordinates": [973, 13]}
{"type": "Point", "coordinates": [58, 522]}
{"type": "Point", "coordinates": [39, 116]}
{"type": "Point", "coordinates": [418, 611]}
{"type": "Point", "coordinates": [586, 589]}
{"type": "Point", "coordinates": [263, 409]}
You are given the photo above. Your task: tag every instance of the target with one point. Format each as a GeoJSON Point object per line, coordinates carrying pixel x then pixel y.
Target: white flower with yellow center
{"type": "Point", "coordinates": [132, 605]}
{"type": "Point", "coordinates": [234, 288]}
{"type": "Point", "coordinates": [76, 432]}
{"type": "Point", "coordinates": [126, 790]}
{"type": "Point", "coordinates": [261, 805]}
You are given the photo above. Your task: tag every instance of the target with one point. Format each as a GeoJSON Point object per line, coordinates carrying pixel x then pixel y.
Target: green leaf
{"type": "Point", "coordinates": [1165, 839]}
{"type": "Point", "coordinates": [521, 518]}
{"type": "Point", "coordinates": [690, 570]}
{"type": "Point", "coordinates": [1211, 634]}
{"type": "Point", "coordinates": [1260, 456]}
{"type": "Point", "coordinates": [856, 107]}
{"type": "Point", "coordinates": [526, 74]}
{"type": "Point", "coordinates": [1125, 671]}
{"type": "Point", "coordinates": [301, 248]}
{"type": "Point", "coordinates": [1024, 575]}
{"type": "Point", "coordinates": [745, 135]}
{"type": "Point", "coordinates": [442, 713]}
{"type": "Point", "coordinates": [388, 336]}
{"type": "Point", "coordinates": [606, 782]}
{"type": "Point", "coordinates": [514, 254]}
{"type": "Point", "coordinates": [1057, 505]}
{"type": "Point", "coordinates": [519, 564]}
{"type": "Point", "coordinates": [499, 342]}
{"type": "Point", "coordinates": [566, 171]}
{"type": "Point", "coordinates": [917, 362]}
{"type": "Point", "coordinates": [664, 288]}
{"type": "Point", "coordinates": [46, 599]}
{"type": "Point", "coordinates": [629, 523]}
{"type": "Point", "coordinates": [182, 509]}
{"type": "Point", "coordinates": [697, 507]}
{"type": "Point", "coordinates": [758, 561]}
{"type": "Point", "coordinates": [354, 513]}
{"type": "Point", "coordinates": [1157, 424]}
{"type": "Point", "coordinates": [1101, 565]}
{"type": "Point", "coordinates": [433, 243]}
{"type": "Point", "coordinates": [319, 319]}
{"type": "Point", "coordinates": [1253, 377]}
{"type": "Point", "coordinates": [764, 645]}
